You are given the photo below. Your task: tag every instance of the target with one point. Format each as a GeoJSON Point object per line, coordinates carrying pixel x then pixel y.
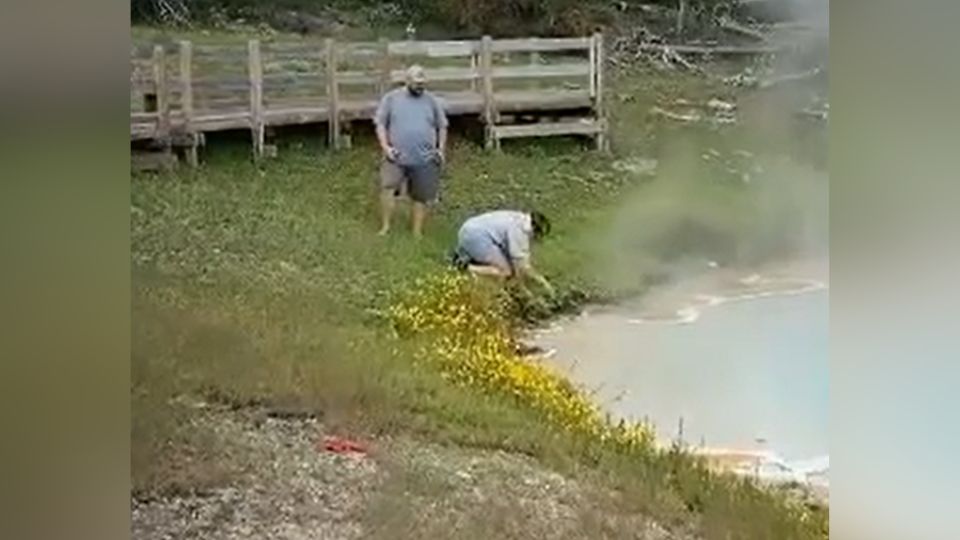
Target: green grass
{"type": "Point", "coordinates": [265, 284]}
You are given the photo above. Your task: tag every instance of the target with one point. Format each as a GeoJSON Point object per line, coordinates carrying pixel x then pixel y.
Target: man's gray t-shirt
{"type": "Point", "coordinates": [412, 123]}
{"type": "Point", "coordinates": [508, 229]}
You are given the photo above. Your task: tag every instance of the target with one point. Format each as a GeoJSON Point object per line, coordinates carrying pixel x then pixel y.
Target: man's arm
{"type": "Point", "coordinates": [442, 124]}
{"type": "Point", "coordinates": [382, 119]}
{"type": "Point", "coordinates": [384, 139]}
{"type": "Point", "coordinates": [442, 142]}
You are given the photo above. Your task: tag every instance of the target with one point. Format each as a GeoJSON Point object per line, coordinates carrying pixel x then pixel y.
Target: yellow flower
{"type": "Point", "coordinates": [472, 346]}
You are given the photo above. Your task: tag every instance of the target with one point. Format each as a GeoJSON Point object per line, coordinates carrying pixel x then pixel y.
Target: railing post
{"type": "Point", "coordinates": [681, 11]}
{"type": "Point", "coordinates": [593, 67]}
{"type": "Point", "coordinates": [535, 60]}
{"type": "Point", "coordinates": [486, 70]}
{"type": "Point", "coordinates": [474, 65]}
{"type": "Point", "coordinates": [255, 69]}
{"type": "Point", "coordinates": [186, 99]}
{"type": "Point", "coordinates": [333, 93]}
{"type": "Point", "coordinates": [598, 99]}
{"type": "Point", "coordinates": [163, 96]}
{"type": "Point", "coordinates": [383, 84]}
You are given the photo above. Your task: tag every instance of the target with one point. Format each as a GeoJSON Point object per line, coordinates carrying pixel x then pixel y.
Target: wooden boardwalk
{"type": "Point", "coordinates": [180, 92]}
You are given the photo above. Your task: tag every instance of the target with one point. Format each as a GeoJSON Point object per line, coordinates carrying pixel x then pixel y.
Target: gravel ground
{"type": "Point", "coordinates": [292, 488]}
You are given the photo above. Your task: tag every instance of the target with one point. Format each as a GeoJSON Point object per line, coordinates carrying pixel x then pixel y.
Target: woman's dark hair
{"type": "Point", "coordinates": [541, 225]}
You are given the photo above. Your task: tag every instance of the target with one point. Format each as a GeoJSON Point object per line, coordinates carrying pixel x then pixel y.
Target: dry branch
{"type": "Point", "coordinates": [718, 50]}
{"type": "Point", "coordinates": [729, 24]}
{"type": "Point", "coordinates": [692, 116]}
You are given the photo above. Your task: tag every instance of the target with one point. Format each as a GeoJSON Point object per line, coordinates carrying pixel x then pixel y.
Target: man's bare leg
{"type": "Point", "coordinates": [419, 214]}
{"type": "Point", "coordinates": [387, 201]}
{"type": "Point", "coordinates": [488, 271]}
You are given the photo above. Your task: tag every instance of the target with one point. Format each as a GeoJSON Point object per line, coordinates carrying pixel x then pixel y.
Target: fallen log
{"type": "Point", "coordinates": [791, 77]}
{"type": "Point", "coordinates": [792, 25]}
{"type": "Point", "coordinates": [670, 55]}
{"type": "Point", "coordinates": [690, 117]}
{"type": "Point", "coordinates": [809, 113]}
{"type": "Point", "coordinates": [718, 50]}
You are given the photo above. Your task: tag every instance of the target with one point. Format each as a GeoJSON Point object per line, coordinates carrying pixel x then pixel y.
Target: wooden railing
{"type": "Point", "coordinates": [193, 88]}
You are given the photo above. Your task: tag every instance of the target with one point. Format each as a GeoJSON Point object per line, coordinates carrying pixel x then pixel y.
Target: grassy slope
{"type": "Point", "coordinates": [263, 283]}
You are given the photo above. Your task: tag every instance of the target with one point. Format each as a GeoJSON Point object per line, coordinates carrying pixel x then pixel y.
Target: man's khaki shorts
{"type": "Point", "coordinates": [421, 182]}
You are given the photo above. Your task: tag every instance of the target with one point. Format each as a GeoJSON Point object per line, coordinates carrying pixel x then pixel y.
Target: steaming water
{"type": "Point", "coordinates": [740, 371]}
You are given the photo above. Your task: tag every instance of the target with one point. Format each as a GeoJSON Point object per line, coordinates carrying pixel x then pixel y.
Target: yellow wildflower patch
{"type": "Point", "coordinates": [470, 339]}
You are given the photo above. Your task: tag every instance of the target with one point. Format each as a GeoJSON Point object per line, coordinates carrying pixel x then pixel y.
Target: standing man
{"type": "Point", "coordinates": [412, 131]}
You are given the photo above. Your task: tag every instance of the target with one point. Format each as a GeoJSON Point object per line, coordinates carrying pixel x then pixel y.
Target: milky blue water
{"type": "Point", "coordinates": [745, 370]}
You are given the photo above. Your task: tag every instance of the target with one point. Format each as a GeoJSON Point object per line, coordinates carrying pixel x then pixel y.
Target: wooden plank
{"type": "Point", "coordinates": [355, 77]}
{"type": "Point", "coordinates": [143, 131]}
{"type": "Point", "coordinates": [186, 97]}
{"type": "Point", "coordinates": [255, 69]}
{"type": "Point", "coordinates": [286, 48]}
{"type": "Point", "coordinates": [294, 45]}
{"type": "Point", "coordinates": [333, 93]}
{"type": "Point", "coordinates": [581, 69]}
{"type": "Point", "coordinates": [363, 47]}
{"type": "Point", "coordinates": [221, 103]}
{"type": "Point", "coordinates": [202, 100]}
{"type": "Point", "coordinates": [160, 80]}
{"type": "Point", "coordinates": [297, 115]}
{"type": "Point", "coordinates": [223, 122]}
{"type": "Point", "coordinates": [241, 81]}
{"type": "Point", "coordinates": [218, 51]}
{"type": "Point", "coordinates": [540, 44]}
{"type": "Point", "coordinates": [294, 102]}
{"type": "Point", "coordinates": [298, 98]}
{"type": "Point", "coordinates": [242, 88]}
{"type": "Point", "coordinates": [218, 47]}
{"type": "Point", "coordinates": [293, 77]}
{"type": "Point", "coordinates": [434, 49]}
{"type": "Point", "coordinates": [440, 74]}
{"type": "Point", "coordinates": [311, 59]}
{"type": "Point", "coordinates": [548, 129]}
{"type": "Point", "coordinates": [313, 85]}
{"type": "Point", "coordinates": [541, 100]}
{"type": "Point", "coordinates": [143, 117]}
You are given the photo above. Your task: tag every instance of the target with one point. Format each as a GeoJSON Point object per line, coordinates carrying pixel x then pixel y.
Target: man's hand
{"type": "Point", "coordinates": [542, 281]}
{"type": "Point", "coordinates": [390, 153]}
{"type": "Point", "coordinates": [441, 156]}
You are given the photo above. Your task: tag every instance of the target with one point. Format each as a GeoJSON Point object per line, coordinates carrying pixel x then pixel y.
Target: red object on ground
{"type": "Point", "coordinates": [343, 446]}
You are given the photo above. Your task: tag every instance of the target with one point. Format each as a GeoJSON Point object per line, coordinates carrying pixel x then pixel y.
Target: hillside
{"type": "Point", "coordinates": [259, 314]}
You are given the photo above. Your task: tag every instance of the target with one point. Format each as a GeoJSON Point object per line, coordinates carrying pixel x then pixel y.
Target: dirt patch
{"type": "Point", "coordinates": [291, 487]}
